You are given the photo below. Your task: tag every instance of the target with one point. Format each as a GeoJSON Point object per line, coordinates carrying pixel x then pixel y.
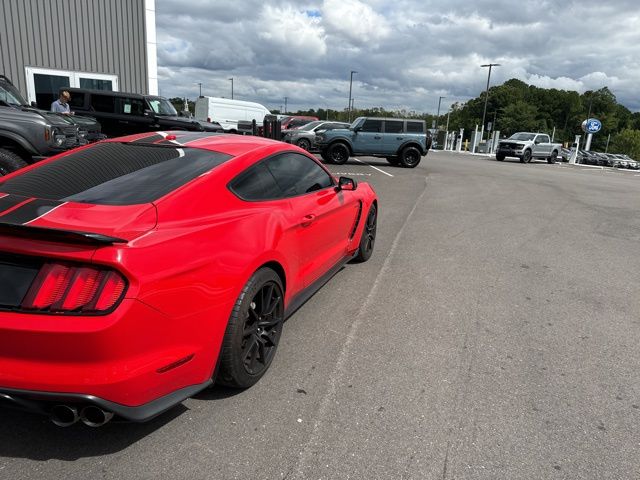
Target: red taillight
{"type": "Point", "coordinates": [60, 288]}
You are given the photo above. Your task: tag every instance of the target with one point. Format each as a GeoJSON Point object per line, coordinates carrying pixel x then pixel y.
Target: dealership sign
{"type": "Point", "coordinates": [591, 125]}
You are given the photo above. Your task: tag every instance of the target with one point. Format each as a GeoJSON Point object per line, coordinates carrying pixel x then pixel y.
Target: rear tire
{"type": "Point", "coordinates": [338, 153]}
{"type": "Point", "coordinates": [368, 239]}
{"type": "Point", "coordinates": [500, 157]}
{"type": "Point", "coordinates": [10, 162]}
{"type": "Point", "coordinates": [410, 157]}
{"type": "Point", "coordinates": [553, 158]}
{"type": "Point", "coordinates": [253, 332]}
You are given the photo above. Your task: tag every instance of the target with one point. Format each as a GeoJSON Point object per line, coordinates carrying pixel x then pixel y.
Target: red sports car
{"type": "Point", "coordinates": [137, 271]}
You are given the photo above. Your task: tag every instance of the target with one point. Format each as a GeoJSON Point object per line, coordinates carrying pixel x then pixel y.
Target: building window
{"type": "Point", "coordinates": [43, 84]}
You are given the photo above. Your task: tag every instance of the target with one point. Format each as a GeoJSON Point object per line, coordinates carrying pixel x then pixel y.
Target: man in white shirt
{"type": "Point", "coordinates": [62, 104]}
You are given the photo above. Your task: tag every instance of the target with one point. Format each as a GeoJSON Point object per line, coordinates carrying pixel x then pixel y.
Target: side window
{"type": "Point", "coordinates": [129, 106]}
{"type": "Point", "coordinates": [297, 174]}
{"type": "Point", "coordinates": [103, 103]}
{"type": "Point", "coordinates": [372, 125]}
{"type": "Point", "coordinates": [393, 126]}
{"type": "Point", "coordinates": [415, 127]}
{"type": "Point", "coordinates": [543, 139]}
{"type": "Point", "coordinates": [256, 183]}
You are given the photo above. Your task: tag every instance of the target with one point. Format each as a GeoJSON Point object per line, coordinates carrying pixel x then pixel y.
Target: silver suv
{"type": "Point", "coordinates": [401, 141]}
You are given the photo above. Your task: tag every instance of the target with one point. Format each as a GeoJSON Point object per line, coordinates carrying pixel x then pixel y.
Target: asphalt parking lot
{"type": "Point", "coordinates": [493, 334]}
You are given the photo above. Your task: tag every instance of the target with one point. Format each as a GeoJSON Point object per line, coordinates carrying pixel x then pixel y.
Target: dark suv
{"type": "Point", "coordinates": [401, 141]}
{"type": "Point", "coordinates": [28, 134]}
{"type": "Point", "coordinates": [128, 113]}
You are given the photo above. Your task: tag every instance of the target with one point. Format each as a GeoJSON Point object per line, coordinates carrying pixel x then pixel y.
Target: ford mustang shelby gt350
{"type": "Point", "coordinates": [137, 271]}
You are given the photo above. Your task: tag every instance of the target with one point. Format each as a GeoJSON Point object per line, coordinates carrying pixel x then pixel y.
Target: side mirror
{"type": "Point", "coordinates": [148, 113]}
{"type": "Point", "coordinates": [346, 183]}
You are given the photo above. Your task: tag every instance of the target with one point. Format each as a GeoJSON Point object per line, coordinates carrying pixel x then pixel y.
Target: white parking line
{"type": "Point", "coordinates": [375, 168]}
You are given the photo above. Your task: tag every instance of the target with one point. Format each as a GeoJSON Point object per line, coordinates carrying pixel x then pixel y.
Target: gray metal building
{"type": "Point", "coordinates": [99, 44]}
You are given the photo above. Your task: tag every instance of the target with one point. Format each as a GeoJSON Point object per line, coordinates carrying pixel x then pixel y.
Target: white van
{"type": "Point", "coordinates": [228, 112]}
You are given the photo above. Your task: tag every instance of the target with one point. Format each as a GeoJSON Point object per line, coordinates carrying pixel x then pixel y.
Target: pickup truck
{"type": "Point", "coordinates": [401, 141]}
{"type": "Point", "coordinates": [527, 146]}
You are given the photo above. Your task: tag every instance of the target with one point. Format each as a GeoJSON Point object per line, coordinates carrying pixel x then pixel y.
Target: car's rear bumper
{"type": "Point", "coordinates": [42, 402]}
{"type": "Point", "coordinates": [130, 358]}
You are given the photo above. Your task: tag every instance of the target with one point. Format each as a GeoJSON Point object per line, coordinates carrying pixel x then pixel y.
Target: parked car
{"type": "Point", "coordinates": [122, 113]}
{"type": "Point", "coordinates": [401, 141]}
{"type": "Point", "coordinates": [28, 134]}
{"type": "Point", "coordinates": [227, 112]}
{"type": "Point", "coordinates": [305, 136]}
{"type": "Point", "coordinates": [527, 146]}
{"type": "Point", "coordinates": [138, 271]}
{"type": "Point", "coordinates": [296, 121]}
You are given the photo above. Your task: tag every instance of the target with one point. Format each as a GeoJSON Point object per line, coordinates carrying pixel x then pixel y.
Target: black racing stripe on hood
{"type": "Point", "coordinates": [10, 201]}
{"type": "Point", "coordinates": [29, 211]}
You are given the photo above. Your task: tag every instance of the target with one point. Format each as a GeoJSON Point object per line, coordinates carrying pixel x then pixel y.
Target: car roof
{"type": "Point", "coordinates": [219, 142]}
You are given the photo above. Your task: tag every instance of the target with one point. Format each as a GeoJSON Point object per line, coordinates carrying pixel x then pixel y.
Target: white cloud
{"type": "Point", "coordinates": [292, 30]}
{"type": "Point", "coordinates": [406, 52]}
{"type": "Point", "coordinates": [355, 21]}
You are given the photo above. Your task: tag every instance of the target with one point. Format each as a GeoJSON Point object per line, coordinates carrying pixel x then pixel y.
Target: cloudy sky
{"type": "Point", "coordinates": [407, 53]}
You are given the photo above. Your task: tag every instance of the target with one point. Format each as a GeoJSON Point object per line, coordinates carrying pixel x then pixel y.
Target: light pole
{"type": "Point", "coordinates": [350, 86]}
{"type": "Point", "coordinates": [200, 85]}
{"type": "Point", "coordinates": [438, 115]}
{"type": "Point", "coordinates": [231, 87]}
{"type": "Point", "coordinates": [486, 97]}
{"type": "Point", "coordinates": [285, 104]}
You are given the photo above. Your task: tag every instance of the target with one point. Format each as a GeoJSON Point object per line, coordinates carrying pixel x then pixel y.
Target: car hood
{"type": "Point", "coordinates": [125, 222]}
{"type": "Point", "coordinates": [31, 114]}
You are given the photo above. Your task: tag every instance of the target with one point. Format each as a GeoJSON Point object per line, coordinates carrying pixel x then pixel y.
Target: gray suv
{"type": "Point", "coordinates": [28, 134]}
{"type": "Point", "coordinates": [401, 141]}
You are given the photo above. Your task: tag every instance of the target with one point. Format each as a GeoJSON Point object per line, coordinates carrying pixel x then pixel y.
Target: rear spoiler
{"type": "Point", "coordinates": [58, 235]}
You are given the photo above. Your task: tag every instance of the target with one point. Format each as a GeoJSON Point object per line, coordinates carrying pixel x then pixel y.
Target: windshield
{"type": "Point", "coordinates": [161, 106]}
{"type": "Point", "coordinates": [357, 122]}
{"type": "Point", "coordinates": [310, 126]}
{"type": "Point", "coordinates": [9, 94]}
{"type": "Point", "coordinates": [522, 136]}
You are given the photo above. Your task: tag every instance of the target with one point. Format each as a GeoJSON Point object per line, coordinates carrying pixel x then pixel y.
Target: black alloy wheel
{"type": "Point", "coordinates": [338, 153]}
{"type": "Point", "coordinates": [304, 143]}
{"type": "Point", "coordinates": [553, 158]}
{"type": "Point", "coordinates": [368, 239]}
{"type": "Point", "coordinates": [526, 157]}
{"type": "Point", "coordinates": [253, 332]}
{"type": "Point", "coordinates": [410, 157]}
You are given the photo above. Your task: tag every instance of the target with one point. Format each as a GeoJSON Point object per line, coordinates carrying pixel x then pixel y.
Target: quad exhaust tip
{"type": "Point", "coordinates": [64, 415]}
{"type": "Point", "coordinates": [92, 416]}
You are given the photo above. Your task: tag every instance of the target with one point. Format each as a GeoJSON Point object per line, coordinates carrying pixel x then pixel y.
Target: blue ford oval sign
{"type": "Point", "coordinates": [591, 125]}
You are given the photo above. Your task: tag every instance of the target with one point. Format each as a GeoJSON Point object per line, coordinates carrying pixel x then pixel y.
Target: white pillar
{"type": "Point", "coordinates": [587, 145]}
{"type": "Point", "coordinates": [459, 141]}
{"type": "Point", "coordinates": [574, 150]}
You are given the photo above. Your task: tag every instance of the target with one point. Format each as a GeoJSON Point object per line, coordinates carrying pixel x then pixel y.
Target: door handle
{"type": "Point", "coordinates": [399, 138]}
{"type": "Point", "coordinates": [307, 220]}
{"type": "Point", "coordinates": [377, 137]}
